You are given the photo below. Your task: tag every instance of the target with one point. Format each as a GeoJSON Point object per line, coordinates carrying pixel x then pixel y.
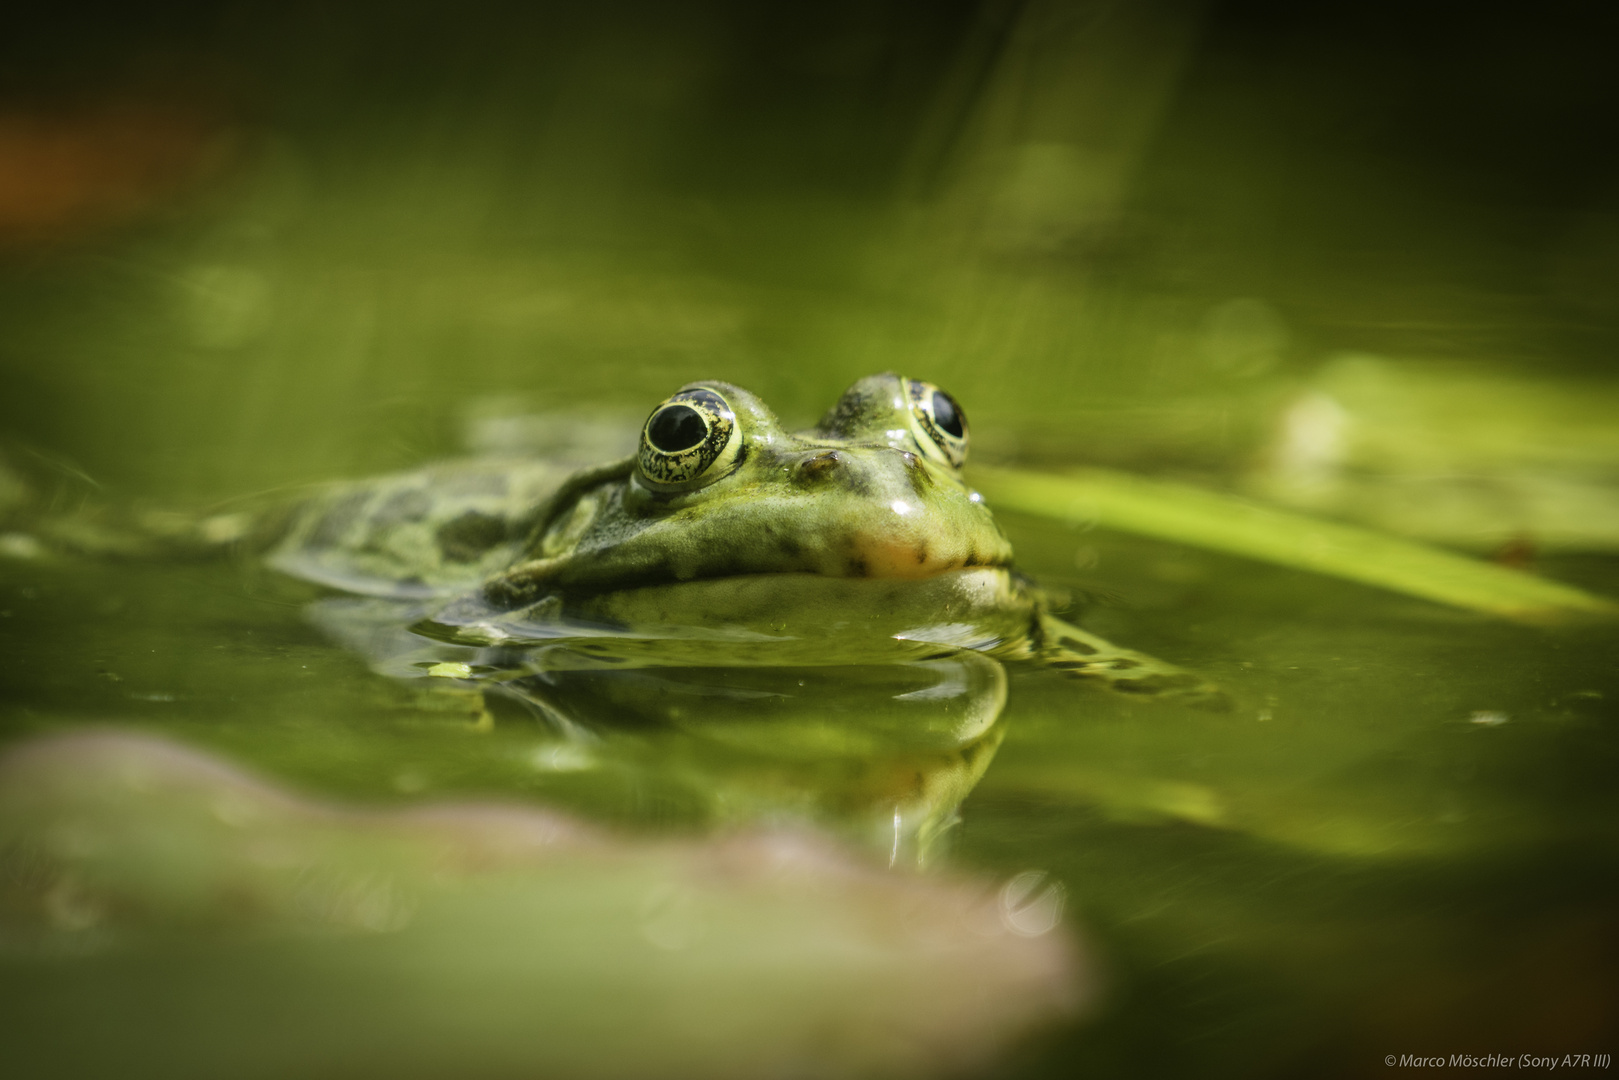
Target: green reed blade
{"type": "Point", "coordinates": [1191, 515]}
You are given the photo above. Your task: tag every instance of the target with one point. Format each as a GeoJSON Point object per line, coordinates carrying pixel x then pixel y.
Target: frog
{"type": "Point", "coordinates": [755, 622]}
{"type": "Point", "coordinates": [856, 541]}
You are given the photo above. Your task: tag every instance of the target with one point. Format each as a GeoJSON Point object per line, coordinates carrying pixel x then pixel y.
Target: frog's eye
{"type": "Point", "coordinates": [690, 439]}
{"type": "Point", "coordinates": [939, 423]}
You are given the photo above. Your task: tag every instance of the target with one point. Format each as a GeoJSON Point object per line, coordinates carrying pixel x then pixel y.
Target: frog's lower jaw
{"type": "Point", "coordinates": [974, 608]}
{"type": "Point", "coordinates": [795, 618]}
{"type": "Point", "coordinates": [868, 557]}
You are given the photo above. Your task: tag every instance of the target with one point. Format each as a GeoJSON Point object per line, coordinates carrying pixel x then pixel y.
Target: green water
{"type": "Point", "coordinates": [1129, 239]}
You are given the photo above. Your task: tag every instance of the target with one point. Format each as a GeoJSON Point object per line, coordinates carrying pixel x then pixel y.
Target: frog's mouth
{"type": "Point", "coordinates": [857, 554]}
{"type": "Point", "coordinates": [531, 581]}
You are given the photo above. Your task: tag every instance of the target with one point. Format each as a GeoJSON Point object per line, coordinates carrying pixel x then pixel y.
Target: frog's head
{"type": "Point", "coordinates": [718, 489]}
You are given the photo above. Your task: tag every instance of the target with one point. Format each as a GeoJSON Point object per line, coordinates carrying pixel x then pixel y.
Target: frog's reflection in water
{"type": "Point", "coordinates": [885, 750]}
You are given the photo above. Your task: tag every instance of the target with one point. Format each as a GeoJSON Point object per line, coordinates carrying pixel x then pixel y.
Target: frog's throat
{"type": "Point", "coordinates": [528, 582]}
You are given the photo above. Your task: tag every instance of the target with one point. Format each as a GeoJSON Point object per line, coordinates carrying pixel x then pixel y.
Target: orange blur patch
{"type": "Point", "coordinates": [1518, 553]}
{"type": "Point", "coordinates": [67, 173]}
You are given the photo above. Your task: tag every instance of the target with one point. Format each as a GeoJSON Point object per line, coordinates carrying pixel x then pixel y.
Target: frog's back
{"type": "Point", "coordinates": [428, 532]}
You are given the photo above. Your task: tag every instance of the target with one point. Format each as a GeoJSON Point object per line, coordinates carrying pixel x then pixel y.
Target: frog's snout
{"type": "Point", "coordinates": [863, 473]}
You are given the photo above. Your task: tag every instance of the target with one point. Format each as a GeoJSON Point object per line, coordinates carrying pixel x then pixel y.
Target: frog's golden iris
{"type": "Point", "coordinates": [939, 423]}
{"type": "Point", "coordinates": [690, 439]}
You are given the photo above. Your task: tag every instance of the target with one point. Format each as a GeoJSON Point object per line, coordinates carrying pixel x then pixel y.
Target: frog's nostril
{"type": "Point", "coordinates": [820, 466]}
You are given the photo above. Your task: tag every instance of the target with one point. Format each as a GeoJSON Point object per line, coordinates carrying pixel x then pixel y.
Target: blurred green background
{"type": "Point", "coordinates": [261, 243]}
{"type": "Point", "coordinates": [1362, 258]}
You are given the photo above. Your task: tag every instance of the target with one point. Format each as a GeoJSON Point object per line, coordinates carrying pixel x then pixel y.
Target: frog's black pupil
{"type": "Point", "coordinates": [946, 415]}
{"type": "Point", "coordinates": [677, 428]}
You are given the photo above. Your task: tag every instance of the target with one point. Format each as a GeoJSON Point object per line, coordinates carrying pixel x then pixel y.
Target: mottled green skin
{"type": "Point", "coordinates": [854, 499]}
{"type": "Point", "coordinates": [431, 532]}
{"type": "Point", "coordinates": [822, 546]}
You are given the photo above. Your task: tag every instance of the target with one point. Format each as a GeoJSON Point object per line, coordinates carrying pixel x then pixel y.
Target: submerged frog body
{"type": "Point", "coordinates": [855, 541]}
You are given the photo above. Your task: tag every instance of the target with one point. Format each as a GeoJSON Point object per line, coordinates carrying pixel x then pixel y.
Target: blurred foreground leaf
{"type": "Point", "coordinates": [1191, 515]}
{"type": "Point", "coordinates": [163, 913]}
